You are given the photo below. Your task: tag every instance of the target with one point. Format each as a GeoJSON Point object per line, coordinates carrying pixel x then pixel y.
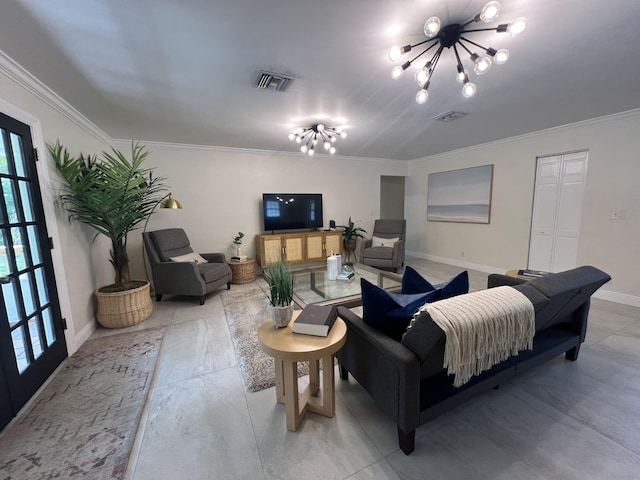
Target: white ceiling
{"type": "Point", "coordinates": [184, 72]}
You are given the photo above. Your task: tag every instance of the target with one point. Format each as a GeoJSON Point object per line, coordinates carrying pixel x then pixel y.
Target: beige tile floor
{"type": "Point", "coordinates": [563, 420]}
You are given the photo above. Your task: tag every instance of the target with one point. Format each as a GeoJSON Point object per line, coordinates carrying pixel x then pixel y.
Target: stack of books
{"type": "Point", "coordinates": [239, 258]}
{"type": "Point", "coordinates": [316, 320]}
{"type": "Point", "coordinates": [345, 276]}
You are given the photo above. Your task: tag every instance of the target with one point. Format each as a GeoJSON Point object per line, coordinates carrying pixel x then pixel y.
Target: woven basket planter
{"type": "Point", "coordinates": [124, 309]}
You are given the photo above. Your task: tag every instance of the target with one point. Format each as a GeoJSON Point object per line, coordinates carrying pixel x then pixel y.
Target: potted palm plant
{"type": "Point", "coordinates": [113, 195]}
{"type": "Point", "coordinates": [279, 277]}
{"type": "Point", "coordinates": [350, 236]}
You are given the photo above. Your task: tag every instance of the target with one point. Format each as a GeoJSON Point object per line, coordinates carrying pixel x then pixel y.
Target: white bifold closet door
{"type": "Point", "coordinates": [557, 211]}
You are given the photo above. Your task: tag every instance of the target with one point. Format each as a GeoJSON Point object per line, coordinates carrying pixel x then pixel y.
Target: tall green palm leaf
{"type": "Point", "coordinates": [113, 195]}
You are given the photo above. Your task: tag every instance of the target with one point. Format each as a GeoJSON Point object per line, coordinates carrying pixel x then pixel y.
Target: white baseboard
{"type": "Point", "coordinates": [608, 295]}
{"type": "Point", "coordinates": [457, 263]}
{"type": "Point", "coordinates": [85, 333]}
{"type": "Point", "coordinates": [617, 297]}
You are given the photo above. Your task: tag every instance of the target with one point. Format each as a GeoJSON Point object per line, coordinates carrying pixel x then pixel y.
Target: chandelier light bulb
{"type": "Point", "coordinates": [333, 139]}
{"type": "Point", "coordinates": [298, 139]}
{"type": "Point", "coordinates": [468, 90]}
{"type": "Point", "coordinates": [462, 75]}
{"type": "Point", "coordinates": [343, 134]}
{"type": "Point", "coordinates": [315, 140]}
{"type": "Point", "coordinates": [501, 56]}
{"type": "Point", "coordinates": [421, 76]}
{"type": "Point", "coordinates": [310, 152]}
{"type": "Point", "coordinates": [481, 65]}
{"type": "Point", "coordinates": [432, 27]}
{"type": "Point", "coordinates": [320, 127]}
{"type": "Point", "coordinates": [490, 12]}
{"type": "Point", "coordinates": [304, 149]}
{"type": "Point", "coordinates": [292, 136]}
{"type": "Point", "coordinates": [396, 72]}
{"type": "Point", "coordinates": [518, 26]}
{"type": "Point", "coordinates": [332, 150]}
{"type": "Point", "coordinates": [422, 96]}
{"type": "Point", "coordinates": [326, 145]}
{"type": "Point", "coordinates": [395, 53]}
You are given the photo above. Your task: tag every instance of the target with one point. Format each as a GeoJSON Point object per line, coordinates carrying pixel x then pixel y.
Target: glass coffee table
{"type": "Point", "coordinates": [312, 286]}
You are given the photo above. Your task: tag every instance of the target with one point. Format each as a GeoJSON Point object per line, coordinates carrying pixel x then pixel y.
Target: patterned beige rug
{"type": "Point", "coordinates": [83, 424]}
{"type": "Point", "coordinates": [246, 307]}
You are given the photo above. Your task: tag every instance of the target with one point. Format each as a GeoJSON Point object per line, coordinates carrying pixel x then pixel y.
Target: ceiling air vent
{"type": "Point", "coordinates": [449, 116]}
{"type": "Point", "coordinates": [273, 81]}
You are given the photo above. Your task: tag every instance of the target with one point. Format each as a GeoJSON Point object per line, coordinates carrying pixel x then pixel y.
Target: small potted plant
{"type": "Point", "coordinates": [350, 235]}
{"type": "Point", "coordinates": [238, 241]}
{"type": "Point", "coordinates": [279, 277]}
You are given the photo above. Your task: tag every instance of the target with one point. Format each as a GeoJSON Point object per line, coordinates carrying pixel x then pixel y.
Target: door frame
{"type": "Point", "coordinates": [46, 190]}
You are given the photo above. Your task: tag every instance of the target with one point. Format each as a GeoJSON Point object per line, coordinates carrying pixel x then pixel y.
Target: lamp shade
{"type": "Point", "coordinates": [170, 202]}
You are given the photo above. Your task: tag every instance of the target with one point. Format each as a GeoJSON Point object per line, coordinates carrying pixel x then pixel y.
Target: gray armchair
{"type": "Point", "coordinates": [183, 278]}
{"type": "Point", "coordinates": [385, 256]}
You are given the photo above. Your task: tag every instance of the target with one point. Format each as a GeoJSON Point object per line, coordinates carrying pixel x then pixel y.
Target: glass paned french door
{"type": "Point", "coordinates": [32, 341]}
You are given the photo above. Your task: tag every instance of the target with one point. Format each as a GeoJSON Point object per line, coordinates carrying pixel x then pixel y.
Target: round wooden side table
{"type": "Point", "coordinates": [287, 349]}
{"type": "Point", "coordinates": [242, 272]}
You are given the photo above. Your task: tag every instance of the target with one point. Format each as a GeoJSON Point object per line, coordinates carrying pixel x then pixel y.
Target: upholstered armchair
{"type": "Point", "coordinates": [385, 248]}
{"type": "Point", "coordinates": [177, 270]}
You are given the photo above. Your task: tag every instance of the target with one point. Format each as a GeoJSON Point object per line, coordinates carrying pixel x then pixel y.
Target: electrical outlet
{"type": "Point", "coordinates": [618, 214]}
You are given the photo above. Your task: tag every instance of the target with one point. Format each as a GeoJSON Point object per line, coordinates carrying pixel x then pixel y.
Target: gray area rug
{"type": "Point", "coordinates": [246, 307]}
{"type": "Point", "coordinates": [83, 424]}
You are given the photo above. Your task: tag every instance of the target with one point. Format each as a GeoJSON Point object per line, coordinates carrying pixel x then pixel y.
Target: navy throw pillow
{"type": "Point", "coordinates": [413, 282]}
{"type": "Point", "coordinates": [456, 285]}
{"type": "Point", "coordinates": [391, 312]}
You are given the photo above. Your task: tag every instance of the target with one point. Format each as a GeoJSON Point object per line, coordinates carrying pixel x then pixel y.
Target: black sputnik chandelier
{"type": "Point", "coordinates": [310, 137]}
{"type": "Point", "coordinates": [455, 36]}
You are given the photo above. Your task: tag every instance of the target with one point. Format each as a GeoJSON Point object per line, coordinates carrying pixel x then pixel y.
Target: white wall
{"type": "Point", "coordinates": [613, 176]}
{"type": "Point", "coordinates": [80, 267]}
{"type": "Point", "coordinates": [221, 192]}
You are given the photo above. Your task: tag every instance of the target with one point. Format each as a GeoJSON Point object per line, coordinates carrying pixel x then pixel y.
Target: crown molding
{"type": "Point", "coordinates": [26, 80]}
{"type": "Point", "coordinates": [122, 143]}
{"type": "Point", "coordinates": [615, 117]}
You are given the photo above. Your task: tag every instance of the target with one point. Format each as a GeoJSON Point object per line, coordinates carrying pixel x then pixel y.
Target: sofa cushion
{"type": "Point", "coordinates": [211, 272]}
{"type": "Point", "coordinates": [390, 312]}
{"type": "Point", "coordinates": [413, 282]}
{"type": "Point", "coordinates": [382, 253]}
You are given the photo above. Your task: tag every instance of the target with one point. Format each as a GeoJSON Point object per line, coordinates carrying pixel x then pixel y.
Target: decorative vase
{"type": "Point", "coordinates": [281, 316]}
{"type": "Point", "coordinates": [124, 309]}
{"type": "Point", "coordinates": [238, 251]}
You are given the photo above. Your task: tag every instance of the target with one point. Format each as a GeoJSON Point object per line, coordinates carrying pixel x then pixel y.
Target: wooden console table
{"type": "Point", "coordinates": [299, 247]}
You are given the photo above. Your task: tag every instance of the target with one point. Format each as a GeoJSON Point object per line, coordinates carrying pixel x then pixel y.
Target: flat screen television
{"type": "Point", "coordinates": [292, 211]}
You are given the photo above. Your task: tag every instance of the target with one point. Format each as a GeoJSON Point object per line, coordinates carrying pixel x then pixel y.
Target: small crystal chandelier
{"type": "Point", "coordinates": [309, 137]}
{"type": "Point", "coordinates": [453, 36]}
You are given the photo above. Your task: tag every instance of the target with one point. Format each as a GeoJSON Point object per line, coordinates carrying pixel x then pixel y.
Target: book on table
{"type": "Point", "coordinates": [316, 320]}
{"type": "Point", "coordinates": [345, 276]}
{"type": "Point", "coordinates": [239, 258]}
{"type": "Point", "coordinates": [532, 273]}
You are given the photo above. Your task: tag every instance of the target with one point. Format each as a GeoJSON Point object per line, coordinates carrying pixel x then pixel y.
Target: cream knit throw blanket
{"type": "Point", "coordinates": [482, 329]}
